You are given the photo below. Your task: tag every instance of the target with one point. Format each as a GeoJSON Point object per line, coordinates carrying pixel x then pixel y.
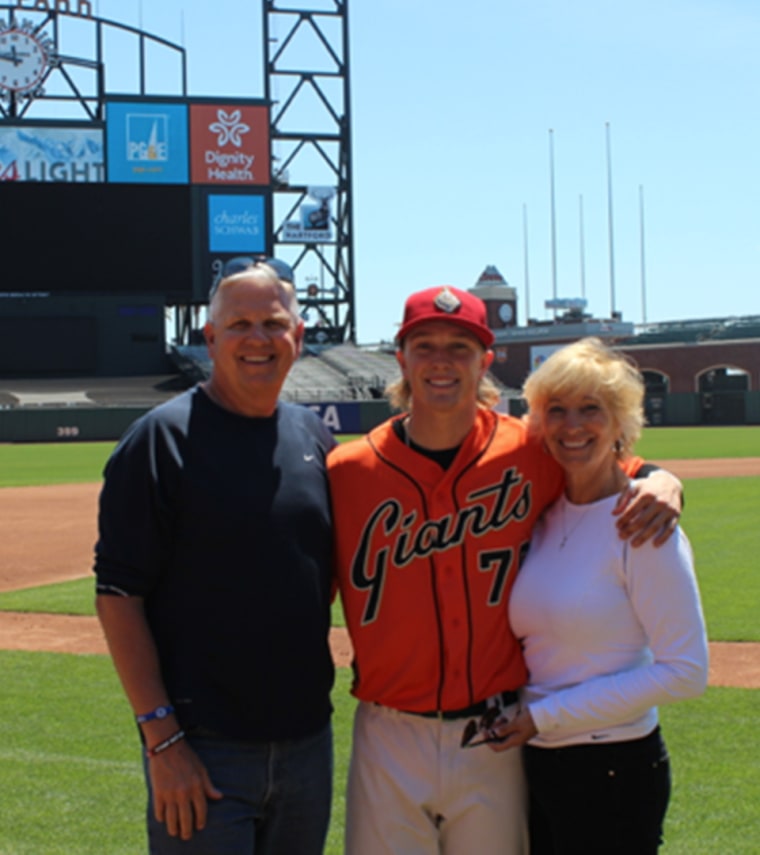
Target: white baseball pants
{"type": "Point", "coordinates": [412, 790]}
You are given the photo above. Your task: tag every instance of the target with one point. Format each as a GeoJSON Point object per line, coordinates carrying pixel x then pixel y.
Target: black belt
{"type": "Point", "coordinates": [507, 698]}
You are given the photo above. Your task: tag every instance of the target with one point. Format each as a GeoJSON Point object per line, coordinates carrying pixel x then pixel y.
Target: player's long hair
{"type": "Point", "coordinates": [399, 394]}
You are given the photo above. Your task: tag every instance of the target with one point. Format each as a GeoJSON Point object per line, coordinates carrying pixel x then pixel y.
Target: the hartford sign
{"type": "Point", "coordinates": [82, 8]}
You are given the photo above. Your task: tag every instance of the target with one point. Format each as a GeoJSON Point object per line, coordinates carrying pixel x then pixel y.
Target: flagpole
{"type": "Point", "coordinates": [553, 216]}
{"type": "Point", "coordinates": [582, 247]}
{"type": "Point", "coordinates": [610, 223]}
{"type": "Point", "coordinates": [643, 256]}
{"type": "Point", "coordinates": [525, 263]}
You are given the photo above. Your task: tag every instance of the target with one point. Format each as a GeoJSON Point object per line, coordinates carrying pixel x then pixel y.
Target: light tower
{"type": "Point", "coordinates": [311, 158]}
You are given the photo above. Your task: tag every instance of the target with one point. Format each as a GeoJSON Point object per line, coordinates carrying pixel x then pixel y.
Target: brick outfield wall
{"type": "Point", "coordinates": [681, 363]}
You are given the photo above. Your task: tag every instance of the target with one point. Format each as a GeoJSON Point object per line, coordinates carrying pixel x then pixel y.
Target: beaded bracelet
{"type": "Point", "coordinates": [167, 743]}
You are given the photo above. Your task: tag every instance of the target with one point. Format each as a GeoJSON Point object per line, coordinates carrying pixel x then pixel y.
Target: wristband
{"type": "Point", "coordinates": [158, 712]}
{"type": "Point", "coordinates": [167, 743]}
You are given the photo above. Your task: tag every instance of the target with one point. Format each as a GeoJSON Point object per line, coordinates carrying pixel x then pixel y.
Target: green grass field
{"type": "Point", "coordinates": [72, 782]}
{"type": "Point", "coordinates": [71, 778]}
{"type": "Point", "coordinates": [699, 443]}
{"type": "Point", "coordinates": [50, 463]}
{"type": "Point", "coordinates": [71, 772]}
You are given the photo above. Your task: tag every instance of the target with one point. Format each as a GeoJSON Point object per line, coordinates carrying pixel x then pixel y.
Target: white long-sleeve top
{"type": "Point", "coordinates": [608, 631]}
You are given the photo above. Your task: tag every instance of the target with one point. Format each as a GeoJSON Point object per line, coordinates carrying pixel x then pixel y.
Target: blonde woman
{"type": "Point", "coordinates": [608, 632]}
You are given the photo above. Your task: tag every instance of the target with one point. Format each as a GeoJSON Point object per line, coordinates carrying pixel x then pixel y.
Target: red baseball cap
{"type": "Point", "coordinates": [446, 303]}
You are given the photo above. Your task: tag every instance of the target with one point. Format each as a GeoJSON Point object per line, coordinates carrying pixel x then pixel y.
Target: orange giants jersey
{"type": "Point", "coordinates": [426, 560]}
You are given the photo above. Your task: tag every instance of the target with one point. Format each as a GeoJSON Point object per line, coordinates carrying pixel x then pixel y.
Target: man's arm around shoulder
{"type": "Point", "coordinates": [650, 507]}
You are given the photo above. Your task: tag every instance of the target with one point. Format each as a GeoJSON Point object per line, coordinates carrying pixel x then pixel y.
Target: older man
{"type": "Point", "coordinates": [213, 581]}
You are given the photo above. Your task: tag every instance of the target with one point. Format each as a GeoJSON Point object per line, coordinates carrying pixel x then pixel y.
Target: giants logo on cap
{"type": "Point", "coordinates": [449, 304]}
{"type": "Point", "coordinates": [446, 301]}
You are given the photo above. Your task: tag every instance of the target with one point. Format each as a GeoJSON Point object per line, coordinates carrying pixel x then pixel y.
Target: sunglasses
{"type": "Point", "coordinates": [481, 726]}
{"type": "Point", "coordinates": [243, 262]}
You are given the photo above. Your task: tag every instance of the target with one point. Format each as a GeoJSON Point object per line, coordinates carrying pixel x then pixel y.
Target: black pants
{"type": "Point", "coordinates": [605, 799]}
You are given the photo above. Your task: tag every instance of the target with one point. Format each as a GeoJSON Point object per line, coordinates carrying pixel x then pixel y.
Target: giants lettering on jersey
{"type": "Point", "coordinates": [390, 533]}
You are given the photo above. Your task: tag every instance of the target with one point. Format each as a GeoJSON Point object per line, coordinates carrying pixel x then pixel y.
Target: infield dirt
{"type": "Point", "coordinates": [48, 535]}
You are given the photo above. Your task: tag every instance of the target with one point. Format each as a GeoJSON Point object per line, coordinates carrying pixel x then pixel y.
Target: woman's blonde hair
{"type": "Point", "coordinates": [590, 367]}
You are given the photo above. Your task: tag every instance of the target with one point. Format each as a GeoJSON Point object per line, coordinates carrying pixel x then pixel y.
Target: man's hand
{"type": "Point", "coordinates": [181, 789]}
{"type": "Point", "coordinates": [649, 508]}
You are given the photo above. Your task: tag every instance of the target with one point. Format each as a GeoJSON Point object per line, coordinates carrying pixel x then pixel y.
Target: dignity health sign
{"type": "Point", "coordinates": [229, 144]}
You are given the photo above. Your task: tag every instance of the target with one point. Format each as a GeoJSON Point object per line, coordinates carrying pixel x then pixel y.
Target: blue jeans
{"type": "Point", "coordinates": [277, 798]}
{"type": "Point", "coordinates": [598, 799]}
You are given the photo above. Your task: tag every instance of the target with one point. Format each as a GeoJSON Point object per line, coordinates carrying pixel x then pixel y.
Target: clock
{"type": "Point", "coordinates": [506, 313]}
{"type": "Point", "coordinates": [23, 60]}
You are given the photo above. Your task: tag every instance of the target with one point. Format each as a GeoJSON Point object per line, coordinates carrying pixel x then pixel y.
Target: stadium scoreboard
{"type": "Point", "coordinates": [151, 201]}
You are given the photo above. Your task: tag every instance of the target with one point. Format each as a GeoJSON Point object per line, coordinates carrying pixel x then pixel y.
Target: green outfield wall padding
{"type": "Point", "coordinates": [66, 424]}
{"type": "Point", "coordinates": [96, 424]}
{"type": "Point", "coordinates": [752, 412]}
{"type": "Point", "coordinates": [682, 409]}
{"type": "Point", "coordinates": [372, 413]}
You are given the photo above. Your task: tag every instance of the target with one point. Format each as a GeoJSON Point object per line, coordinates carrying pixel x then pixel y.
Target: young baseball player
{"type": "Point", "coordinates": [433, 512]}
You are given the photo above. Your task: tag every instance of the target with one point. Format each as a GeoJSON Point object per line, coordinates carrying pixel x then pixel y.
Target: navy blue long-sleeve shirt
{"type": "Point", "coordinates": [222, 523]}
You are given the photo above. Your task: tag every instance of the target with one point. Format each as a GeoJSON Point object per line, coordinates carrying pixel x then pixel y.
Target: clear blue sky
{"type": "Point", "coordinates": [452, 105]}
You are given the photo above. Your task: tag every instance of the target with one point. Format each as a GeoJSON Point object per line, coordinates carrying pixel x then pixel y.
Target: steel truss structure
{"type": "Point", "coordinates": [77, 84]}
{"type": "Point", "coordinates": [311, 131]}
{"type": "Point", "coordinates": [306, 81]}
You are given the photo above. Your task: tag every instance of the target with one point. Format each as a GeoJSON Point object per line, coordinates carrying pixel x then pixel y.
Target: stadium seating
{"type": "Point", "coordinates": [706, 329]}
{"type": "Point", "coordinates": [342, 373]}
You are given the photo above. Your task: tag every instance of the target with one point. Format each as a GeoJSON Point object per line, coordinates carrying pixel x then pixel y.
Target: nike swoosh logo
{"type": "Point", "coordinates": [600, 735]}
{"type": "Point", "coordinates": [308, 458]}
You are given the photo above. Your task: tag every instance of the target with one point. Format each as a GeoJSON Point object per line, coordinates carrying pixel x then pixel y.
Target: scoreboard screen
{"type": "Point", "coordinates": [79, 238]}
